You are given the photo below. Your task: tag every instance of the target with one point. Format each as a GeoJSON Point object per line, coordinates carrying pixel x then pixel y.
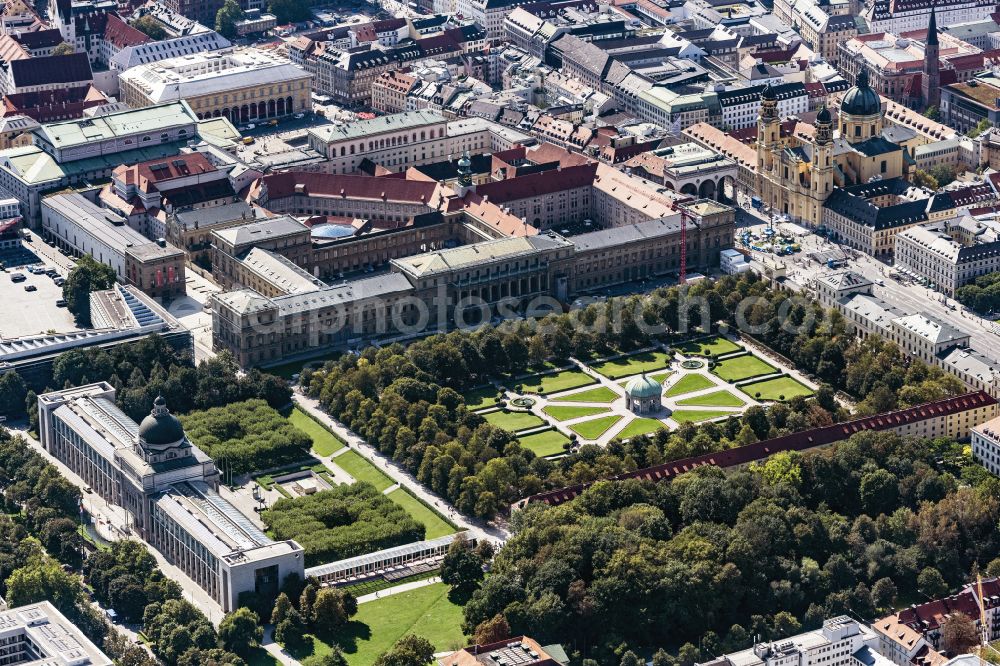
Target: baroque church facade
{"type": "Point", "coordinates": [795, 174]}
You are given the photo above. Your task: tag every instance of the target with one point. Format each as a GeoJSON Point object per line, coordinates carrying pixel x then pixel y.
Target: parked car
{"type": "Point", "coordinates": [18, 277]}
{"type": "Point", "coordinates": [30, 287]}
{"type": "Point", "coordinates": [59, 281]}
{"type": "Point", "coordinates": [52, 273]}
{"type": "Point", "coordinates": [61, 303]}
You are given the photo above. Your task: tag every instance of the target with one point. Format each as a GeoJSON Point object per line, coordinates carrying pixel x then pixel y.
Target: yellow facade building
{"type": "Point", "coordinates": [795, 175]}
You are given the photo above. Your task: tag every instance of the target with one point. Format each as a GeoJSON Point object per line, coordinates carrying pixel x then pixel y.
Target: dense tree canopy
{"type": "Point", "coordinates": [741, 552]}
{"type": "Point", "coordinates": [150, 367]}
{"type": "Point", "coordinates": [982, 295]}
{"type": "Point", "coordinates": [246, 436]}
{"type": "Point", "coordinates": [407, 401]}
{"type": "Point", "coordinates": [344, 521]}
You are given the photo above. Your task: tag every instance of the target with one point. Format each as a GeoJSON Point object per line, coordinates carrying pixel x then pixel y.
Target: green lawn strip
{"type": "Point", "coordinates": [357, 466]}
{"type": "Point", "coordinates": [560, 381]}
{"type": "Point", "coordinates": [435, 525]}
{"type": "Point", "coordinates": [696, 415]}
{"type": "Point", "coordinates": [774, 389]}
{"type": "Point", "coordinates": [425, 611]}
{"type": "Point", "coordinates": [547, 443]}
{"type": "Point", "coordinates": [716, 399]}
{"type": "Point", "coordinates": [641, 426]}
{"type": "Point", "coordinates": [379, 584]}
{"type": "Point", "coordinates": [325, 443]}
{"type": "Point", "coordinates": [742, 367]}
{"type": "Point", "coordinates": [599, 394]}
{"type": "Point", "coordinates": [594, 428]}
{"type": "Point", "coordinates": [565, 413]}
{"type": "Point", "coordinates": [480, 398]}
{"type": "Point", "coordinates": [632, 365]}
{"type": "Point", "coordinates": [689, 383]}
{"type": "Point", "coordinates": [513, 421]}
{"type": "Point", "coordinates": [713, 346]}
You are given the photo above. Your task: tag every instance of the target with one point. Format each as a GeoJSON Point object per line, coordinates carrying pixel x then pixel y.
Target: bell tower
{"type": "Point", "coordinates": [930, 82]}
{"type": "Point", "coordinates": [768, 133]}
{"type": "Point", "coordinates": [822, 166]}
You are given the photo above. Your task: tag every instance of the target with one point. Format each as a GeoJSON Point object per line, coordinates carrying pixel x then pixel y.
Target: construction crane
{"type": "Point", "coordinates": [682, 275]}
{"type": "Point", "coordinates": [685, 217]}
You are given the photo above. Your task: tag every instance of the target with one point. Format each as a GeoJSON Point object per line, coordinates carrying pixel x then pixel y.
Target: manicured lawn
{"type": "Point", "coordinates": [688, 383]}
{"type": "Point", "coordinates": [565, 413]}
{"type": "Point", "coordinates": [560, 381]}
{"type": "Point", "coordinates": [594, 428]}
{"type": "Point", "coordinates": [480, 398]}
{"type": "Point", "coordinates": [436, 525]}
{"type": "Point", "coordinates": [325, 443]}
{"type": "Point", "coordinates": [641, 426]}
{"type": "Point", "coordinates": [632, 365]}
{"type": "Point", "coordinates": [599, 394]}
{"type": "Point", "coordinates": [513, 421]}
{"type": "Point", "coordinates": [714, 346]}
{"type": "Point", "coordinates": [695, 415]}
{"type": "Point", "coordinates": [546, 443]}
{"type": "Point", "coordinates": [742, 367]}
{"type": "Point", "coordinates": [425, 611]}
{"type": "Point", "coordinates": [779, 388]}
{"type": "Point", "coordinates": [362, 470]}
{"type": "Point", "coordinates": [716, 399]}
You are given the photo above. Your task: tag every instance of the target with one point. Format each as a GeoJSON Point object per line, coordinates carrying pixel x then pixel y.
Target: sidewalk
{"type": "Point", "coordinates": [398, 474]}
{"type": "Point", "coordinates": [274, 649]}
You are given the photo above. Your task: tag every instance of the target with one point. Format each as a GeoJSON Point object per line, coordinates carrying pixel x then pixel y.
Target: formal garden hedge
{"type": "Point", "coordinates": [342, 522]}
{"type": "Point", "coordinates": [246, 436]}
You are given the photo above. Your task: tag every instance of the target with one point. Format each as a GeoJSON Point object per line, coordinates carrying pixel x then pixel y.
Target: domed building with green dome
{"type": "Point", "coordinates": [644, 395]}
{"type": "Point", "coordinates": [169, 490]}
{"type": "Point", "coordinates": [798, 168]}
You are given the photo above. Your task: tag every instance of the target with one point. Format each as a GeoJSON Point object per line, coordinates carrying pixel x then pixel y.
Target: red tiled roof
{"type": "Point", "coordinates": [121, 34]}
{"type": "Point", "coordinates": [148, 174]}
{"type": "Point", "coordinates": [799, 441]}
{"type": "Point", "coordinates": [539, 184]}
{"type": "Point", "coordinates": [50, 105]}
{"type": "Point", "coordinates": [288, 183]}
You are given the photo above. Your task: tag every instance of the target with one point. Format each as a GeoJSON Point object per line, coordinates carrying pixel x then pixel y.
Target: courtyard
{"type": "Point", "coordinates": [707, 379]}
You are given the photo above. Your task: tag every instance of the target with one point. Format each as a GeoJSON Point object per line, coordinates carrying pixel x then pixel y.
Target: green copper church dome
{"type": "Point", "coordinates": [643, 387]}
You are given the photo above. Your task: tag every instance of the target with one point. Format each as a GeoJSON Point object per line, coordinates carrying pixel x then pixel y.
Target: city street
{"type": "Point", "coordinates": [908, 296]}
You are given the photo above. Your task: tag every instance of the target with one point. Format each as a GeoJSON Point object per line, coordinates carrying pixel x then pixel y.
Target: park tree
{"type": "Point", "coordinates": [410, 650]}
{"type": "Point", "coordinates": [492, 631]}
{"type": "Point", "coordinates": [282, 607]}
{"type": "Point", "coordinates": [240, 631]}
{"type": "Point", "coordinates": [631, 659]}
{"type": "Point", "coordinates": [227, 17]}
{"type": "Point", "coordinates": [13, 394]}
{"type": "Point", "coordinates": [63, 48]}
{"type": "Point", "coordinates": [461, 567]}
{"type": "Point", "coordinates": [931, 583]}
{"type": "Point", "coordinates": [43, 579]}
{"type": "Point", "coordinates": [290, 11]}
{"type": "Point", "coordinates": [333, 608]}
{"type": "Point", "coordinates": [959, 634]}
{"type": "Point", "coordinates": [884, 593]}
{"type": "Point", "coordinates": [88, 275]}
